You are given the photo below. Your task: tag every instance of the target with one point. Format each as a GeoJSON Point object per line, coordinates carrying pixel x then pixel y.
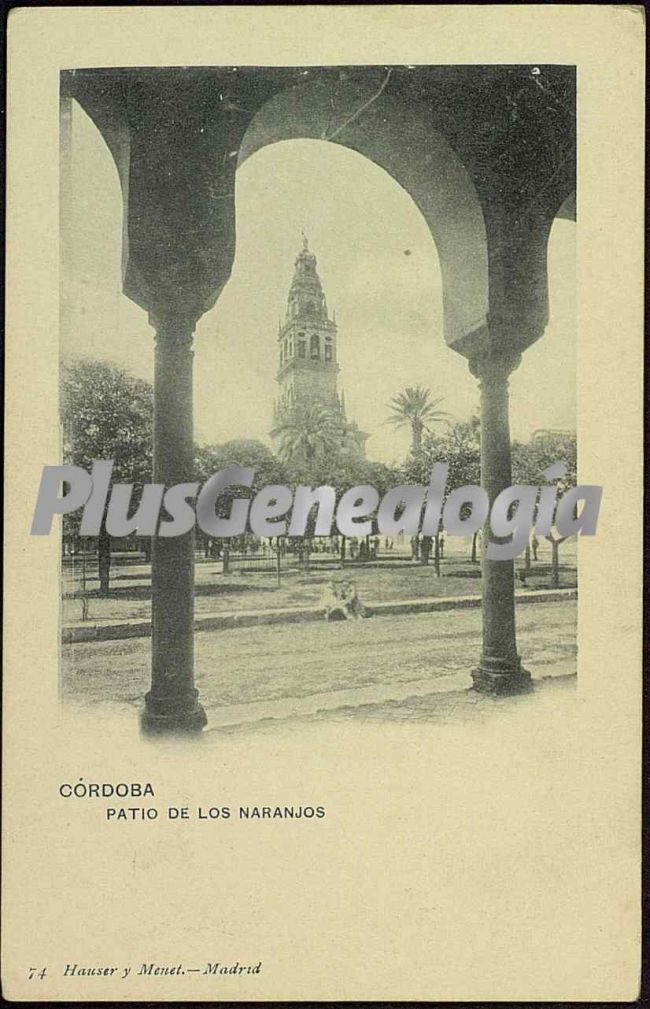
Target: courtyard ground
{"type": "Point", "coordinates": [275, 670]}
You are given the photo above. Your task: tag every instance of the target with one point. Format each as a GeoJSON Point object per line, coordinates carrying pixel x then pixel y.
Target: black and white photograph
{"type": "Point", "coordinates": [336, 277]}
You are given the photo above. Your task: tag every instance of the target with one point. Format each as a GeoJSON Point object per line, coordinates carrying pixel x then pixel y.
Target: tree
{"type": "Point", "coordinates": [413, 408]}
{"type": "Point", "coordinates": [343, 470]}
{"type": "Point", "coordinates": [460, 447]}
{"type": "Point", "coordinates": [244, 452]}
{"type": "Point", "coordinates": [307, 434]}
{"type": "Point", "coordinates": [106, 414]}
{"type": "Point", "coordinates": [209, 459]}
{"type": "Point", "coordinates": [529, 462]}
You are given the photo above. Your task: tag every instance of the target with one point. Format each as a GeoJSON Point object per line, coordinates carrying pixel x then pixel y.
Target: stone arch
{"type": "Point", "coordinates": [399, 138]}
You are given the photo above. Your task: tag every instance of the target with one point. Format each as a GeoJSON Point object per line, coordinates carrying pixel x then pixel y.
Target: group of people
{"type": "Point", "coordinates": [364, 549]}
{"type": "Point", "coordinates": [358, 548]}
{"type": "Point", "coordinates": [422, 547]}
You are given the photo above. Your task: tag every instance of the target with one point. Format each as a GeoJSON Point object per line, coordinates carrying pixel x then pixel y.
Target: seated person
{"type": "Point", "coordinates": [341, 602]}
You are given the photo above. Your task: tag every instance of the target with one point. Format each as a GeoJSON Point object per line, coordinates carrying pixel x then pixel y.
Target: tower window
{"type": "Point", "coordinates": [301, 348]}
{"type": "Point", "coordinates": [315, 346]}
{"type": "Point", "coordinates": [328, 351]}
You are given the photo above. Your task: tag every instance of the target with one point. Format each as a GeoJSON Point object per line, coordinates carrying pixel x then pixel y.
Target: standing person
{"type": "Point", "coordinates": [535, 546]}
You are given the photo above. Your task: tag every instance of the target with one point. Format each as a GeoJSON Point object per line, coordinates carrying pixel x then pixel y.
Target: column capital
{"type": "Point", "coordinates": [494, 367]}
{"type": "Point", "coordinates": [173, 328]}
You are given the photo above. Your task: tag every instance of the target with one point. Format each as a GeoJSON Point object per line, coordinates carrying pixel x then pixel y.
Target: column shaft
{"type": "Point", "coordinates": [172, 703]}
{"type": "Point", "coordinates": [500, 670]}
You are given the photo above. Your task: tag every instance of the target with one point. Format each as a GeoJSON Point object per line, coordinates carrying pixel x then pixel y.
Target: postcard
{"type": "Point", "coordinates": [323, 503]}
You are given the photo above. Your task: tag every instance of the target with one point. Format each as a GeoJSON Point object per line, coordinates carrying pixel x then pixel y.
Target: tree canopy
{"type": "Point", "coordinates": [530, 459]}
{"type": "Point", "coordinates": [244, 452]}
{"type": "Point", "coordinates": [414, 408]}
{"type": "Point", "coordinates": [307, 434]}
{"type": "Point", "coordinates": [107, 414]}
{"type": "Point", "coordinates": [209, 459]}
{"type": "Point", "coordinates": [459, 446]}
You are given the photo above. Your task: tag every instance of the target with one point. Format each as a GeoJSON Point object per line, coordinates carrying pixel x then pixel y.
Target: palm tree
{"type": "Point", "coordinates": [414, 408]}
{"type": "Point", "coordinates": [307, 433]}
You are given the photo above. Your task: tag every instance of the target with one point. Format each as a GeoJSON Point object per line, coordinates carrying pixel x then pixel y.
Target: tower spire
{"type": "Point", "coordinates": [305, 243]}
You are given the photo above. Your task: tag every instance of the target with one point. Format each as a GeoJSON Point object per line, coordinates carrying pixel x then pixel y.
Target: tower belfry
{"type": "Point", "coordinates": [307, 350]}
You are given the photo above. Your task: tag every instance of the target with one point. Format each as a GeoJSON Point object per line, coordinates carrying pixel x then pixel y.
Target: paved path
{"type": "Point", "coordinates": [374, 659]}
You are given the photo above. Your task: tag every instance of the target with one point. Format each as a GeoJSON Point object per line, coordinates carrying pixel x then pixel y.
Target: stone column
{"type": "Point", "coordinates": [172, 703]}
{"type": "Point", "coordinates": [500, 670]}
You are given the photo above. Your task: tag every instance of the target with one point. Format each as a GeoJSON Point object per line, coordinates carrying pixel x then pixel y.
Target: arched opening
{"type": "Point", "coordinates": [381, 276]}
{"type": "Point", "coordinates": [399, 138]}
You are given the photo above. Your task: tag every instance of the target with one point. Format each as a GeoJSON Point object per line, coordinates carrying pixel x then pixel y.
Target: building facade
{"type": "Point", "coordinates": [307, 353]}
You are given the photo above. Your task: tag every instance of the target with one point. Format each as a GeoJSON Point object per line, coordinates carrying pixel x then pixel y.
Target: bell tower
{"type": "Point", "coordinates": [307, 351]}
{"type": "Point", "coordinates": [307, 362]}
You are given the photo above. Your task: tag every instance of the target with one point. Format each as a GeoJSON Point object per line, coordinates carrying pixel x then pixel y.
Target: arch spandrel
{"type": "Point", "coordinates": [568, 209]}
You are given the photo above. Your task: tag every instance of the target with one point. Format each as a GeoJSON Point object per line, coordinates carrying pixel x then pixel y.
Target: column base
{"type": "Point", "coordinates": [501, 678]}
{"type": "Point", "coordinates": [179, 714]}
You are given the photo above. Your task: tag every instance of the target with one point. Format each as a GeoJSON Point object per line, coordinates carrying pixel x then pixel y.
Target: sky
{"type": "Point", "coordinates": [380, 272]}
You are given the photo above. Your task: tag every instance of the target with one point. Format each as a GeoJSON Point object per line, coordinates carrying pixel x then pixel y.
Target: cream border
{"type": "Point", "coordinates": [607, 45]}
